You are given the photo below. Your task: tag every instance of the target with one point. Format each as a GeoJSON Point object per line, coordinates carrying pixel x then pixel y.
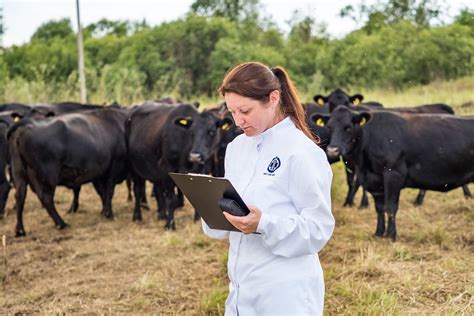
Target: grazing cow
{"type": "Point", "coordinates": [167, 138]}
{"type": "Point", "coordinates": [68, 150]}
{"type": "Point", "coordinates": [392, 151]}
{"type": "Point", "coordinates": [340, 97]}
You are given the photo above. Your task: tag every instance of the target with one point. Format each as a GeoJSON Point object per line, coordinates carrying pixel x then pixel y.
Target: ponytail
{"type": "Point", "coordinates": [290, 103]}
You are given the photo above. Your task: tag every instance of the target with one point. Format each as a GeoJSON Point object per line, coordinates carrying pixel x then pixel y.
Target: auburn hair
{"type": "Point", "coordinates": [256, 81]}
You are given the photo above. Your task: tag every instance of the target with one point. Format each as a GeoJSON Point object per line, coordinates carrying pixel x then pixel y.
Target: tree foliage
{"type": "Point", "coordinates": [396, 46]}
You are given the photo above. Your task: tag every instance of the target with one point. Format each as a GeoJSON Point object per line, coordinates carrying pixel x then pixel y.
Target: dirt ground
{"type": "Point", "coordinates": [116, 266]}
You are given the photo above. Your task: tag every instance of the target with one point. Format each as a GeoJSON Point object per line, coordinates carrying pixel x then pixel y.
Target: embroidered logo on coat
{"type": "Point", "coordinates": [274, 165]}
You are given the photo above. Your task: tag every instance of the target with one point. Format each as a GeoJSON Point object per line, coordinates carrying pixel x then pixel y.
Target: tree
{"type": "Point", "coordinates": [466, 17]}
{"type": "Point", "coordinates": [106, 27]}
{"type": "Point", "coordinates": [234, 10]}
{"type": "Point", "coordinates": [419, 12]}
{"type": "Point", "coordinates": [53, 29]}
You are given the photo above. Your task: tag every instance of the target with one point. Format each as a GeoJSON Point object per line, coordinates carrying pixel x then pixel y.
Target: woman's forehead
{"type": "Point", "coordinates": [235, 100]}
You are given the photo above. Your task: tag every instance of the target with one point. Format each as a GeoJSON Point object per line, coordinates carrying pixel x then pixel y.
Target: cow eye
{"type": "Point", "coordinates": [347, 129]}
{"type": "Point", "coordinates": [212, 132]}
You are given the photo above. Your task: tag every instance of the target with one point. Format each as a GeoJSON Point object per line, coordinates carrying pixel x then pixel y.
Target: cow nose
{"type": "Point", "coordinates": [333, 151]}
{"type": "Point", "coordinates": [195, 157]}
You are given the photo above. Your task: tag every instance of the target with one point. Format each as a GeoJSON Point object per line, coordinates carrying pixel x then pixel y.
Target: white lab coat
{"type": "Point", "coordinates": [288, 178]}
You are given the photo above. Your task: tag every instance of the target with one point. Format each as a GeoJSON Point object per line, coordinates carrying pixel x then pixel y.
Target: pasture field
{"type": "Point", "coordinates": [102, 266]}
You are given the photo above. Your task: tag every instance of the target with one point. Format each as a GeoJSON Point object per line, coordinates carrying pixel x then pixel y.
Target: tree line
{"type": "Point", "coordinates": [396, 45]}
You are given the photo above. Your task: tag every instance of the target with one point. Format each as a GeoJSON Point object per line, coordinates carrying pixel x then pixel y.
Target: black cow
{"type": "Point", "coordinates": [68, 150]}
{"type": "Point", "coordinates": [167, 138]}
{"type": "Point", "coordinates": [227, 133]}
{"type": "Point", "coordinates": [392, 151]}
{"type": "Point", "coordinates": [340, 97]}
{"type": "Point", "coordinates": [353, 183]}
{"type": "Point", "coordinates": [41, 111]}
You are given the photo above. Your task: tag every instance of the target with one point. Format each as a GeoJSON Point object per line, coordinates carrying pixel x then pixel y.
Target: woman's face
{"type": "Point", "coordinates": [252, 116]}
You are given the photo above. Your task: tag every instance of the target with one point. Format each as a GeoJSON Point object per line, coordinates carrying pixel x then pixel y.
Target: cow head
{"type": "Point", "coordinates": [204, 129]}
{"type": "Point", "coordinates": [338, 97]}
{"type": "Point", "coordinates": [345, 126]}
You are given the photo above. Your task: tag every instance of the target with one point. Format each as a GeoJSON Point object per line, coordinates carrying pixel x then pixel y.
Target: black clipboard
{"type": "Point", "coordinates": [204, 192]}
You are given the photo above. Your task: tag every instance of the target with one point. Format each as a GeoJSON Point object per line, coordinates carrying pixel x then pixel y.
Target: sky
{"type": "Point", "coordinates": [22, 17]}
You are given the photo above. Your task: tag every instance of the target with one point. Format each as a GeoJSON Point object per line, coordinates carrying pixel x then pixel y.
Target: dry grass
{"type": "Point", "coordinates": [102, 266]}
{"type": "Point", "coordinates": [99, 266]}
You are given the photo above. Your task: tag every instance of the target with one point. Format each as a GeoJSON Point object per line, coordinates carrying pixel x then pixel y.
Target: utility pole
{"type": "Point", "coordinates": [80, 53]}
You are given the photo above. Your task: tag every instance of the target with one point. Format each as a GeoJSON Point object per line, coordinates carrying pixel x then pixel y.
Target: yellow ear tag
{"type": "Point", "coordinates": [320, 122]}
{"type": "Point", "coordinates": [225, 126]}
{"type": "Point", "coordinates": [320, 101]}
{"type": "Point", "coordinates": [16, 119]}
{"type": "Point", "coordinates": [356, 101]}
{"type": "Point", "coordinates": [183, 122]}
{"type": "Point", "coordinates": [362, 121]}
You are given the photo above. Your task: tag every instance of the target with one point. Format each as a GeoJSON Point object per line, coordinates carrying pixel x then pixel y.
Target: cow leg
{"type": "Point", "coordinates": [364, 201]}
{"type": "Point", "coordinates": [109, 189]}
{"type": "Point", "coordinates": [144, 201]}
{"type": "Point", "coordinates": [160, 201]}
{"type": "Point", "coordinates": [393, 183]}
{"type": "Point", "coordinates": [379, 207]}
{"type": "Point", "coordinates": [75, 201]}
{"type": "Point", "coordinates": [99, 188]}
{"type": "Point", "coordinates": [170, 198]}
{"type": "Point", "coordinates": [128, 181]}
{"type": "Point", "coordinates": [138, 191]}
{"type": "Point", "coordinates": [180, 198]}
{"type": "Point", "coordinates": [20, 196]}
{"type": "Point", "coordinates": [47, 199]}
{"type": "Point", "coordinates": [420, 197]}
{"type": "Point", "coordinates": [467, 193]}
{"type": "Point", "coordinates": [352, 186]}
{"type": "Point", "coordinates": [4, 190]}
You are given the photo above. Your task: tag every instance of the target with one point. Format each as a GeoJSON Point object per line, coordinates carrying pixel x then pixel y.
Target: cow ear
{"type": "Point", "coordinates": [50, 114]}
{"type": "Point", "coordinates": [319, 99]}
{"type": "Point", "coordinates": [226, 123]}
{"type": "Point", "coordinates": [196, 104]}
{"type": "Point", "coordinates": [362, 118]}
{"type": "Point", "coordinates": [16, 116]}
{"type": "Point", "coordinates": [320, 119]}
{"type": "Point", "coordinates": [356, 99]}
{"type": "Point", "coordinates": [185, 122]}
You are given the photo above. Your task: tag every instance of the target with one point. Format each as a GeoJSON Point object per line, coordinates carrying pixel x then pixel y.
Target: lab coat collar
{"type": "Point", "coordinates": [274, 130]}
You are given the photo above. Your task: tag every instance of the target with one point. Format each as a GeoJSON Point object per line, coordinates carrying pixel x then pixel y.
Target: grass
{"type": "Point", "coordinates": [102, 266]}
{"type": "Point", "coordinates": [99, 266]}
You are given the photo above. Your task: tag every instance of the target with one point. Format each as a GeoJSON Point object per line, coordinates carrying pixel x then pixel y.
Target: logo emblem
{"type": "Point", "coordinates": [274, 165]}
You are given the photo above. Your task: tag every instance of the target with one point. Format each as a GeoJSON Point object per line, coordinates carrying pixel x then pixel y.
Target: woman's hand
{"type": "Point", "coordinates": [246, 224]}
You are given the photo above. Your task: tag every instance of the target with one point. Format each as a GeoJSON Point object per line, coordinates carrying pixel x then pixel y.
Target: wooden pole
{"type": "Point", "coordinates": [80, 52]}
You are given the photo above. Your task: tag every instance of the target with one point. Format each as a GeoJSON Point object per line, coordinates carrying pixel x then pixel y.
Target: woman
{"type": "Point", "coordinates": [285, 179]}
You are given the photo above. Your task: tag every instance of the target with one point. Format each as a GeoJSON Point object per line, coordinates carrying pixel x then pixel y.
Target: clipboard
{"type": "Point", "coordinates": [204, 192]}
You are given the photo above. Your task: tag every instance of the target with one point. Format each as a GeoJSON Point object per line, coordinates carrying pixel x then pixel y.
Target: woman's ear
{"type": "Point", "coordinates": [274, 98]}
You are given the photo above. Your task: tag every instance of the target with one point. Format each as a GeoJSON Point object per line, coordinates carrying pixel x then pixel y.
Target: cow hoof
{"type": "Point", "coordinates": [137, 220]}
{"type": "Point", "coordinates": [20, 233]}
{"type": "Point", "coordinates": [378, 235]}
{"type": "Point", "coordinates": [346, 204]}
{"type": "Point", "coordinates": [145, 206]}
{"type": "Point", "coordinates": [363, 206]}
{"type": "Point", "coordinates": [62, 226]}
